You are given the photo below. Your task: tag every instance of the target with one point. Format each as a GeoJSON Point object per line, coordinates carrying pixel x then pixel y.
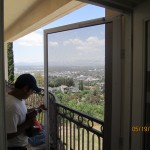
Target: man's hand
{"type": "Point", "coordinates": [31, 114]}
{"type": "Point", "coordinates": [30, 118]}
{"type": "Point", "coordinates": [38, 109]}
{"type": "Point", "coordinates": [42, 107]}
{"type": "Point", "coordinates": [30, 121]}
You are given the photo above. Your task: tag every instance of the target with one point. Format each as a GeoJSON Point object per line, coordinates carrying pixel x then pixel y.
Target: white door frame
{"type": "Point", "coordinates": [113, 115]}
{"type": "Point", "coordinates": [58, 29]}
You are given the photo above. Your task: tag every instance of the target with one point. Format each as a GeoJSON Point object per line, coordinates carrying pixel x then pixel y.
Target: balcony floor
{"type": "Point", "coordinates": [41, 147]}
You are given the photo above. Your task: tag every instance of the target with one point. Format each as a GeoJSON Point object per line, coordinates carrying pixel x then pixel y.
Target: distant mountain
{"type": "Point", "coordinates": [29, 64]}
{"type": "Point", "coordinates": [76, 63]}
{"type": "Point", "coordinates": [61, 64]}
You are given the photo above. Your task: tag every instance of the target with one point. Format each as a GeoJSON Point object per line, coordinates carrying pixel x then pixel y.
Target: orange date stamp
{"type": "Point", "coordinates": [140, 129]}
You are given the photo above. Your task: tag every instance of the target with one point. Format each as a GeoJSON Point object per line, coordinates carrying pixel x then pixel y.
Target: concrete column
{"type": "Point", "coordinates": [2, 85]}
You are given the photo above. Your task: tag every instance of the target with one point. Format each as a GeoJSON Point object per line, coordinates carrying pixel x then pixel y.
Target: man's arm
{"type": "Point", "coordinates": [21, 128]}
{"type": "Point", "coordinates": [41, 107]}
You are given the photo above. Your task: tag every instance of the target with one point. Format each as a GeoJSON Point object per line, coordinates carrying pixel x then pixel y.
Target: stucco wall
{"type": "Point", "coordinates": [141, 13]}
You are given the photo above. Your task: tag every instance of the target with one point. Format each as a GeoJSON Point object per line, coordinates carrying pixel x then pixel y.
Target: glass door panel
{"type": "Point", "coordinates": [76, 68]}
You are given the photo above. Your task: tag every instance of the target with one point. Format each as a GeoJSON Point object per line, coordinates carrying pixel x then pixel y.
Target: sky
{"type": "Point", "coordinates": [77, 47]}
{"type": "Point", "coordinates": [30, 48]}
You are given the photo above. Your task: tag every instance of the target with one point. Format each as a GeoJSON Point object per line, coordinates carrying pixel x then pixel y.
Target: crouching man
{"type": "Point", "coordinates": [16, 121]}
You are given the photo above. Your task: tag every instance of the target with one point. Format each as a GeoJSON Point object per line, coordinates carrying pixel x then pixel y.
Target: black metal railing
{"type": "Point", "coordinates": [78, 131]}
{"type": "Point", "coordinates": [69, 129]}
{"type": "Point", "coordinates": [75, 130]}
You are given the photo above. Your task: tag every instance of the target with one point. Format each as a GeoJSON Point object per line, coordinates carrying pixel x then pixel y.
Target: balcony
{"type": "Point", "coordinates": [67, 128]}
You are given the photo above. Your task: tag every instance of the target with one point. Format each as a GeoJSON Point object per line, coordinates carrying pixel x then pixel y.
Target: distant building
{"type": "Point", "coordinates": [53, 89]}
{"type": "Point", "coordinates": [64, 88]}
{"type": "Point", "coordinates": [73, 89]}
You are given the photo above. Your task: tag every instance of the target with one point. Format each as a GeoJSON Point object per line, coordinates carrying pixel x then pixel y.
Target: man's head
{"type": "Point", "coordinates": [27, 84]}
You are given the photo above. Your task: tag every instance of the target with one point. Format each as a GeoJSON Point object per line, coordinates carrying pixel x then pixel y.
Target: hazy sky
{"type": "Point", "coordinates": [29, 49]}
{"type": "Point", "coordinates": [83, 46]}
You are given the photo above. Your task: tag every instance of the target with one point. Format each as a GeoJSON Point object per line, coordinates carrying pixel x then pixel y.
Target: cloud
{"type": "Point", "coordinates": [73, 41]}
{"type": "Point", "coordinates": [95, 41]}
{"type": "Point", "coordinates": [91, 43]}
{"type": "Point", "coordinates": [53, 44]}
{"type": "Point", "coordinates": [76, 51]}
{"type": "Point", "coordinates": [32, 39]}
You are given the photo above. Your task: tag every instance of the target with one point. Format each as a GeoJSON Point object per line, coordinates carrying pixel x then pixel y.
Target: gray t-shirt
{"type": "Point", "coordinates": [15, 115]}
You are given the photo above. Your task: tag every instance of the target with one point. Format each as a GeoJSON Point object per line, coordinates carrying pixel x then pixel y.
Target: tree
{"type": "Point", "coordinates": [81, 85]}
{"type": "Point", "coordinates": [58, 81]}
{"type": "Point", "coordinates": [69, 82]}
{"type": "Point", "coordinates": [39, 79]}
{"type": "Point", "coordinates": [10, 62]}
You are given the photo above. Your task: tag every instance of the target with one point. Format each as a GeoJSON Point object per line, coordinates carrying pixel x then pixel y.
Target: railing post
{"type": "Point", "coordinates": [52, 120]}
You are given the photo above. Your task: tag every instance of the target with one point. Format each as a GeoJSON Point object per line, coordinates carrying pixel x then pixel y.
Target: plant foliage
{"type": "Point", "coordinates": [10, 62]}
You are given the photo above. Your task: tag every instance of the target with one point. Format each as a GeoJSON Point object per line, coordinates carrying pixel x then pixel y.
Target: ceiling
{"type": "Point", "coordinates": [14, 9]}
{"type": "Point", "coordinates": [24, 16]}
{"type": "Point", "coordinates": [129, 2]}
{"type": "Point", "coordinates": [123, 5]}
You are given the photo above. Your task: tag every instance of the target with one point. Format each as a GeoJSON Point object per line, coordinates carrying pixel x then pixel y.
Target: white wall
{"type": "Point", "coordinates": [141, 13]}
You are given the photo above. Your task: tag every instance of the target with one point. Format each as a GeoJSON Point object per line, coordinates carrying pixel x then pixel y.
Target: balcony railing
{"type": "Point", "coordinates": [69, 129]}
{"type": "Point", "coordinates": [76, 130]}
